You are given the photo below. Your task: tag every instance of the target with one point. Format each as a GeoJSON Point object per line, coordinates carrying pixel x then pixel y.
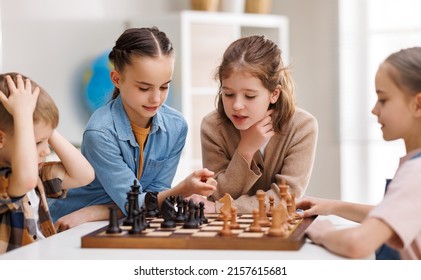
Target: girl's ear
{"type": "Point", "coordinates": [417, 102]}
{"type": "Point", "coordinates": [115, 78]}
{"type": "Point", "coordinates": [275, 94]}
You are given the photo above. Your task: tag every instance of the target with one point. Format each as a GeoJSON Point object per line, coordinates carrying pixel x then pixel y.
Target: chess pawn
{"type": "Point", "coordinates": [137, 227]}
{"type": "Point", "coordinates": [202, 218]}
{"type": "Point", "coordinates": [135, 189]}
{"type": "Point", "coordinates": [191, 220]}
{"type": "Point", "coordinates": [226, 230]}
{"type": "Point", "coordinates": [271, 205]}
{"type": "Point", "coordinates": [113, 224]}
{"type": "Point", "coordinates": [263, 218]}
{"type": "Point", "coordinates": [142, 218]}
{"type": "Point", "coordinates": [255, 226]}
{"type": "Point", "coordinates": [185, 208]}
{"type": "Point", "coordinates": [234, 224]}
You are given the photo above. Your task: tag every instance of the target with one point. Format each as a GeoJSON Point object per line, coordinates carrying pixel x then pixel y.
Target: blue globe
{"type": "Point", "coordinates": [97, 84]}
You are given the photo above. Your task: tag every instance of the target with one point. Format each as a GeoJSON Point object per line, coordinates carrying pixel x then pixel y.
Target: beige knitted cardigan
{"type": "Point", "coordinates": [290, 154]}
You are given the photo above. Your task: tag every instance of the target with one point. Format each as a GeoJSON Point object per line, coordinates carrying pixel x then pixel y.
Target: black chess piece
{"type": "Point", "coordinates": [113, 221]}
{"type": "Point", "coordinates": [135, 189]}
{"type": "Point", "coordinates": [202, 218]}
{"type": "Point", "coordinates": [196, 214]}
{"type": "Point", "coordinates": [180, 217]}
{"type": "Point", "coordinates": [168, 213]}
{"type": "Point", "coordinates": [185, 208]}
{"type": "Point", "coordinates": [151, 204]}
{"type": "Point", "coordinates": [142, 218]}
{"type": "Point", "coordinates": [191, 220]}
{"type": "Point", "coordinates": [136, 228]}
{"type": "Point", "coordinates": [132, 198]}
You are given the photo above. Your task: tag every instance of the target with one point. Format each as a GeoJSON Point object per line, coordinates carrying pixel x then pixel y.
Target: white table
{"type": "Point", "coordinates": [67, 246]}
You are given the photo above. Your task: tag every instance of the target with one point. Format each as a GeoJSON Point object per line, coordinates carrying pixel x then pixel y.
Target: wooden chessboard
{"type": "Point", "coordinates": [206, 237]}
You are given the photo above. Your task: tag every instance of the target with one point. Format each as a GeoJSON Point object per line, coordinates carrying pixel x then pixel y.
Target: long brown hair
{"type": "Point", "coordinates": [143, 42]}
{"type": "Point", "coordinates": [260, 57]}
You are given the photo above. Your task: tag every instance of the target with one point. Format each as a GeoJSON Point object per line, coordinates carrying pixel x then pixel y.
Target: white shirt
{"type": "Point", "coordinates": [34, 199]}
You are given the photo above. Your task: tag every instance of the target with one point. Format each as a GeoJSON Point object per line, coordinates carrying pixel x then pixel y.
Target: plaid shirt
{"type": "Point", "coordinates": [17, 224]}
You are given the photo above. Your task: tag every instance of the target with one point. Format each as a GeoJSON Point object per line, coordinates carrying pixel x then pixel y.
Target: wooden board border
{"type": "Point", "coordinates": [126, 241]}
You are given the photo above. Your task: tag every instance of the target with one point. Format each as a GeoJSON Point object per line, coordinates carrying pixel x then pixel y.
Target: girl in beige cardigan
{"type": "Point", "coordinates": [256, 133]}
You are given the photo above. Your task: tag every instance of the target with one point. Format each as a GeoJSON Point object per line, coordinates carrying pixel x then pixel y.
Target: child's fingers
{"type": "Point", "coordinates": [28, 85]}
{"type": "Point", "coordinates": [206, 191]}
{"type": "Point", "coordinates": [19, 82]}
{"type": "Point", "coordinates": [203, 173]}
{"type": "Point", "coordinates": [3, 97]}
{"type": "Point", "coordinates": [307, 213]}
{"type": "Point", "coordinates": [11, 84]}
{"type": "Point", "coordinates": [212, 181]}
{"type": "Point", "coordinates": [206, 185]}
{"type": "Point", "coordinates": [35, 93]}
{"type": "Point", "coordinates": [269, 112]}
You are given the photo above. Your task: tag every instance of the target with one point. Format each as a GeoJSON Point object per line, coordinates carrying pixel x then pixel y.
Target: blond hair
{"type": "Point", "coordinates": [45, 110]}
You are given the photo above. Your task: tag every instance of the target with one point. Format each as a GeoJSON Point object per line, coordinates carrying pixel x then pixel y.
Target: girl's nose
{"type": "Point", "coordinates": [238, 105]}
{"type": "Point", "coordinates": [155, 97]}
{"type": "Point", "coordinates": [374, 111]}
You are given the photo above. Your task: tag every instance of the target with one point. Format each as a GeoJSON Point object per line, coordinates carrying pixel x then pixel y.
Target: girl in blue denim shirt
{"type": "Point", "coordinates": [133, 137]}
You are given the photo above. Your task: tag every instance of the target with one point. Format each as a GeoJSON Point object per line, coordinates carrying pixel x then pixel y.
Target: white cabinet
{"type": "Point", "coordinates": [200, 39]}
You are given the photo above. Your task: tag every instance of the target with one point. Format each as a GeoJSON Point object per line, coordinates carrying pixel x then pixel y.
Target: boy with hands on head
{"type": "Point", "coordinates": [28, 118]}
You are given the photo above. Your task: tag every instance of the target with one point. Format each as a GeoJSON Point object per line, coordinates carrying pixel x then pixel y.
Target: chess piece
{"type": "Point", "coordinates": [196, 213]}
{"type": "Point", "coordinates": [263, 218]}
{"type": "Point", "coordinates": [279, 217]}
{"type": "Point", "coordinates": [142, 218]}
{"type": "Point", "coordinates": [271, 205]}
{"type": "Point", "coordinates": [255, 226]}
{"type": "Point", "coordinates": [227, 201]}
{"type": "Point", "coordinates": [185, 208]}
{"type": "Point", "coordinates": [113, 221]}
{"type": "Point", "coordinates": [168, 213]}
{"type": "Point", "coordinates": [283, 189]}
{"type": "Point", "coordinates": [191, 220]}
{"type": "Point", "coordinates": [180, 217]}
{"type": "Point", "coordinates": [135, 189]}
{"type": "Point", "coordinates": [137, 227]}
{"type": "Point", "coordinates": [131, 198]}
{"type": "Point", "coordinates": [226, 230]}
{"type": "Point", "coordinates": [234, 224]}
{"type": "Point", "coordinates": [202, 218]}
{"type": "Point", "coordinates": [294, 215]}
{"type": "Point", "coordinates": [151, 204]}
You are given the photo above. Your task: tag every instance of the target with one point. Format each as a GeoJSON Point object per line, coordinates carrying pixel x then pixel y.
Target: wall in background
{"type": "Point", "coordinates": [54, 41]}
{"type": "Point", "coordinates": [314, 40]}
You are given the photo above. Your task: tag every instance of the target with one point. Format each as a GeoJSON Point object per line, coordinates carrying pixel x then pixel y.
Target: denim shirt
{"type": "Point", "coordinates": [111, 147]}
